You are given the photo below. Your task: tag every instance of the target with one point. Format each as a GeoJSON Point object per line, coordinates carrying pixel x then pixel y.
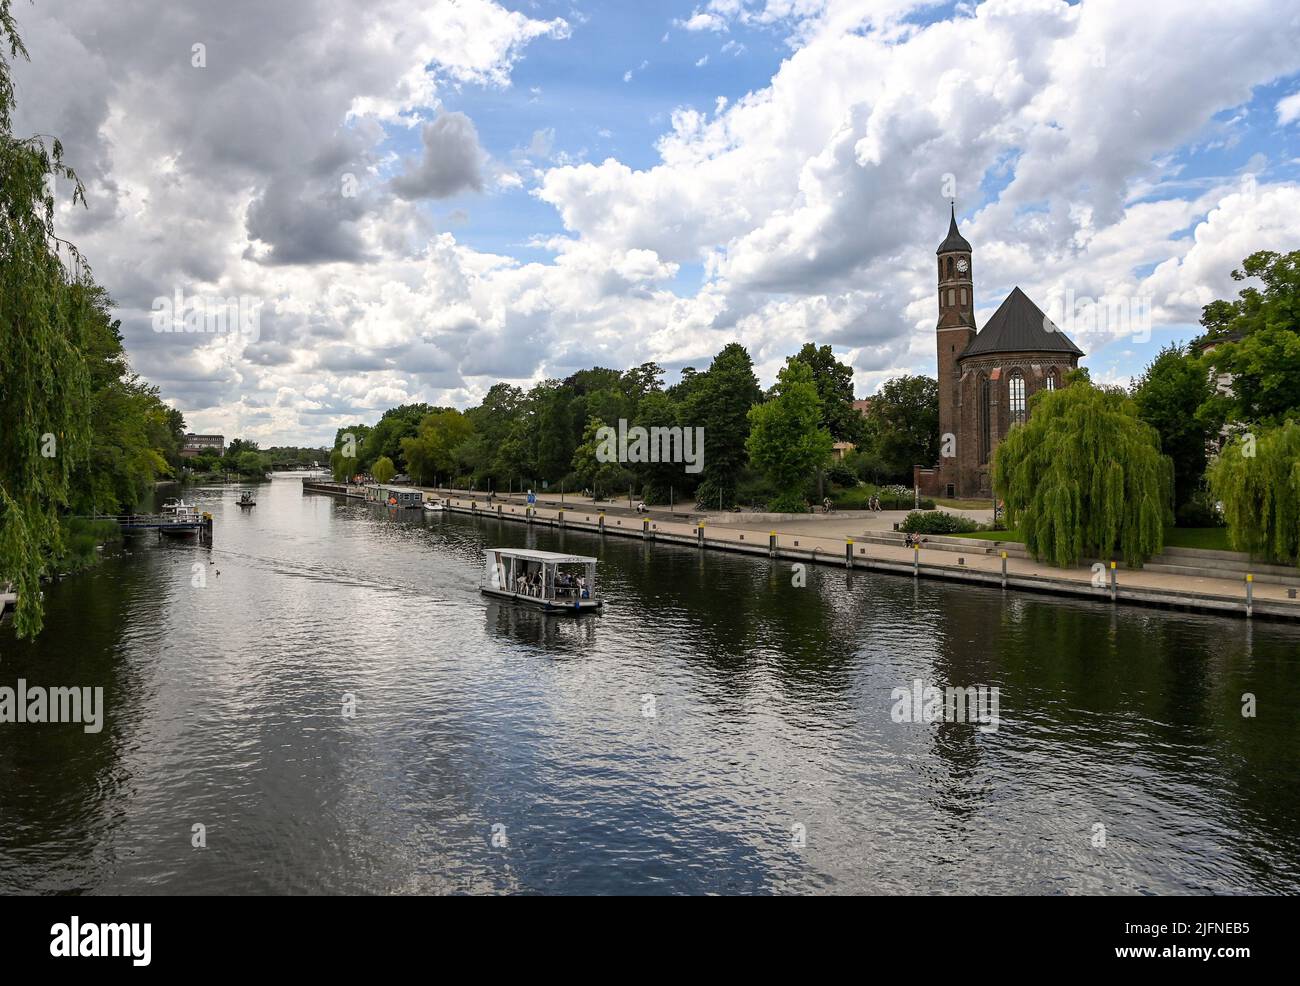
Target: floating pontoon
{"type": "Point", "coordinates": [554, 582]}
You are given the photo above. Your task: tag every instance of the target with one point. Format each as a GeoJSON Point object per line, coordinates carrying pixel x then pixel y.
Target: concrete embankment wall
{"type": "Point", "coordinates": [854, 554]}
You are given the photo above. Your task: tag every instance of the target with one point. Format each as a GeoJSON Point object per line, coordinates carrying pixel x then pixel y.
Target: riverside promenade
{"type": "Point", "coordinates": [1210, 582]}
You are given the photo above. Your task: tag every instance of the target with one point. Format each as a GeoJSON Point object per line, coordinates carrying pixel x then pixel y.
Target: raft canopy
{"type": "Point", "coordinates": [545, 557]}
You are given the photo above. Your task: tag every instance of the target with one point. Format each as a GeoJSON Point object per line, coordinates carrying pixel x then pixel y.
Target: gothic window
{"type": "Point", "coordinates": [951, 297]}
{"type": "Point", "coordinates": [1016, 387]}
{"type": "Point", "coordinates": [1051, 379]}
{"type": "Point", "coordinates": [950, 266]}
{"type": "Point", "coordinates": [986, 397]}
{"type": "Point", "coordinates": [963, 296]}
{"type": "Point", "coordinates": [941, 269]}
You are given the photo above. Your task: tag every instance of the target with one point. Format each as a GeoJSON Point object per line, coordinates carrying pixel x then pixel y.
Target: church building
{"type": "Point", "coordinates": [986, 376]}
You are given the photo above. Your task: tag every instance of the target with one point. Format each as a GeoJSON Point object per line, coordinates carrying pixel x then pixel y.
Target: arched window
{"type": "Point", "coordinates": [950, 266]}
{"type": "Point", "coordinates": [963, 296]}
{"type": "Point", "coordinates": [941, 268]}
{"type": "Point", "coordinates": [1016, 394]}
{"type": "Point", "coordinates": [986, 412]}
{"type": "Point", "coordinates": [1051, 379]}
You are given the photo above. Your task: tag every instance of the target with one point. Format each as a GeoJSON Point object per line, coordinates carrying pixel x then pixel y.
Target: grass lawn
{"type": "Point", "coordinates": [991, 536]}
{"type": "Point", "coordinates": [946, 504]}
{"type": "Point", "coordinates": [1212, 538]}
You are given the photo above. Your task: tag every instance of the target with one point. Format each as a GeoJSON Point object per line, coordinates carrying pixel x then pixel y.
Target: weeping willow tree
{"type": "Point", "coordinates": [44, 393]}
{"type": "Point", "coordinates": [1084, 477]}
{"type": "Point", "coordinates": [1257, 478]}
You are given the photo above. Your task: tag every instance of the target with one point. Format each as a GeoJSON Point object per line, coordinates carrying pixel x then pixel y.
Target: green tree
{"type": "Point", "coordinates": [834, 382]}
{"type": "Point", "coordinates": [1168, 396]}
{"type": "Point", "coordinates": [383, 470]}
{"type": "Point", "coordinates": [1257, 478]}
{"type": "Point", "coordinates": [385, 438]}
{"type": "Point", "coordinates": [787, 440]}
{"type": "Point", "coordinates": [44, 384]}
{"type": "Point", "coordinates": [656, 410]}
{"type": "Point", "coordinates": [345, 457]}
{"type": "Point", "coordinates": [1084, 476]}
{"type": "Point", "coordinates": [904, 424]}
{"type": "Point", "coordinates": [1256, 341]}
{"type": "Point", "coordinates": [591, 467]}
{"type": "Point", "coordinates": [718, 401]}
{"type": "Point", "coordinates": [250, 463]}
{"type": "Point", "coordinates": [432, 451]}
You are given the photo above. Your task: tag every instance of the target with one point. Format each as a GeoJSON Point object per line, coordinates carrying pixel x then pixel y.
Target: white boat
{"type": "Point", "coordinates": [548, 580]}
{"type": "Point", "coordinates": [184, 523]}
{"type": "Point", "coordinates": [169, 506]}
{"type": "Point", "coordinates": [434, 504]}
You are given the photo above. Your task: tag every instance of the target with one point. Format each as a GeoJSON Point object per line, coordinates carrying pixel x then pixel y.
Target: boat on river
{"type": "Point", "coordinates": [247, 498]}
{"type": "Point", "coordinates": [548, 580]}
{"type": "Point", "coordinates": [435, 504]}
{"type": "Point", "coordinates": [184, 522]}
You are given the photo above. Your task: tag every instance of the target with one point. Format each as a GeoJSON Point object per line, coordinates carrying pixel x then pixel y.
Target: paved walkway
{"type": "Point", "coordinates": [826, 539]}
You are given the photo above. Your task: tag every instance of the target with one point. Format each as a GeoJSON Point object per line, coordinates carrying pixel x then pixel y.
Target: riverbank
{"type": "Point", "coordinates": [845, 541]}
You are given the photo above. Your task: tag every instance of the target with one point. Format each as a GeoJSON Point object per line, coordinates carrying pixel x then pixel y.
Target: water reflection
{"type": "Point", "coordinates": [676, 742]}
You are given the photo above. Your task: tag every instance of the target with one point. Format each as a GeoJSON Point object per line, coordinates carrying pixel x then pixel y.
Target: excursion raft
{"type": "Point", "coordinates": [547, 580]}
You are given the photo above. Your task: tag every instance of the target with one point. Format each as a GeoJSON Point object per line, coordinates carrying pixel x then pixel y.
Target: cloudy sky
{"type": "Point", "coordinates": [426, 196]}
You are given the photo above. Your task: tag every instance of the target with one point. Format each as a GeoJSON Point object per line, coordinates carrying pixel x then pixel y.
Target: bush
{"type": "Point", "coordinates": [937, 522]}
{"type": "Point", "coordinates": [841, 474]}
{"type": "Point", "coordinates": [1199, 511]}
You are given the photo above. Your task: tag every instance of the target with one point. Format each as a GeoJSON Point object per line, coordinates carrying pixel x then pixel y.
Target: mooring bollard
{"type": "Point", "coordinates": [560, 518]}
{"type": "Point", "coordinates": [600, 521]}
{"type": "Point", "coordinates": [1004, 569]}
{"type": "Point", "coordinates": [699, 534]}
{"type": "Point", "coordinates": [1250, 594]}
{"type": "Point", "coordinates": [498, 511]}
{"type": "Point", "coordinates": [916, 560]}
{"type": "Point", "coordinates": [1114, 582]}
{"type": "Point", "coordinates": [645, 528]}
{"type": "Point", "coordinates": [771, 543]}
{"type": "Point", "coordinates": [848, 553]}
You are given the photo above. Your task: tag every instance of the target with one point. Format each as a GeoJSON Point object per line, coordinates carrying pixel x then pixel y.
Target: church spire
{"type": "Point", "coordinates": [955, 242]}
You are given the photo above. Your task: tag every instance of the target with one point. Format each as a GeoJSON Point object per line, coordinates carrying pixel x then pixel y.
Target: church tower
{"type": "Point", "coordinates": [956, 326]}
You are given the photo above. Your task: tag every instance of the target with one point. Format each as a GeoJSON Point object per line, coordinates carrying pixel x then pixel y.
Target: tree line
{"type": "Point", "coordinates": [79, 431]}
{"type": "Point", "coordinates": [759, 447]}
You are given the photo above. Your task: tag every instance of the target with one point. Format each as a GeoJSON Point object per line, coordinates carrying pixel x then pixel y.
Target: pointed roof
{"type": "Point", "coordinates": [1019, 326]}
{"type": "Point", "coordinates": [955, 240]}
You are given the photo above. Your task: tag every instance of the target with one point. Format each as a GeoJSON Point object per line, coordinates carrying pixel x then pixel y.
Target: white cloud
{"type": "Point", "coordinates": [1288, 109]}
{"type": "Point", "coordinates": [806, 209]}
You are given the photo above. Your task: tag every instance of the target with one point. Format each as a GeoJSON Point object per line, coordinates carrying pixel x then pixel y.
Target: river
{"type": "Point", "coordinates": [718, 729]}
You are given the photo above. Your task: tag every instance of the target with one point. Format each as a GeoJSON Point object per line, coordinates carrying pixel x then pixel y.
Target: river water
{"type": "Point", "coordinates": [718, 729]}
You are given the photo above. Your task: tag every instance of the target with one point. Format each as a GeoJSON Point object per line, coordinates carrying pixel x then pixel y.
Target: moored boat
{"type": "Point", "coordinates": [548, 580]}
{"type": "Point", "coordinates": [434, 504]}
